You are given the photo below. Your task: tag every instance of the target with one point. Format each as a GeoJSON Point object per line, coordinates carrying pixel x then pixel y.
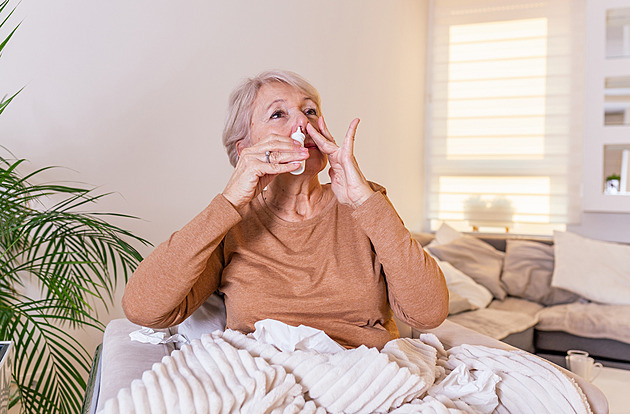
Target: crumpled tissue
{"type": "Point", "coordinates": [290, 338]}
{"type": "Point", "coordinates": [478, 388]}
{"type": "Point", "coordinates": [149, 336]}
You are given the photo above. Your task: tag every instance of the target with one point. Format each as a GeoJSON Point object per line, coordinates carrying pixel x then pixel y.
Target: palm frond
{"type": "Point", "coordinates": [3, 4]}
{"type": "Point", "coordinates": [49, 370]}
{"type": "Point", "coordinates": [77, 258]}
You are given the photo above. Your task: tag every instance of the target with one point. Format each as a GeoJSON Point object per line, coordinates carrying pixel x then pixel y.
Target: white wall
{"type": "Point", "coordinates": [603, 226]}
{"type": "Point", "coordinates": [602, 218]}
{"type": "Point", "coordinates": [131, 95]}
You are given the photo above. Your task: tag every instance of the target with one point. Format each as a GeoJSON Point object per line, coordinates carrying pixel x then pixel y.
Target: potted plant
{"type": "Point", "coordinates": [612, 184]}
{"type": "Point", "coordinates": [49, 237]}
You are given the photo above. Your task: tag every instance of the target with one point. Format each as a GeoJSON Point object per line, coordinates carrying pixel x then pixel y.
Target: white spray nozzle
{"type": "Point", "coordinates": [299, 136]}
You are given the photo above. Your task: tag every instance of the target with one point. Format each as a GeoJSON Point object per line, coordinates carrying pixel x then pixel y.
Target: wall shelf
{"type": "Point", "coordinates": [597, 135]}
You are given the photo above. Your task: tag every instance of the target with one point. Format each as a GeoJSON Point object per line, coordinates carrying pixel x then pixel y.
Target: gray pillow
{"type": "Point", "coordinates": [475, 258]}
{"type": "Point", "coordinates": [527, 270]}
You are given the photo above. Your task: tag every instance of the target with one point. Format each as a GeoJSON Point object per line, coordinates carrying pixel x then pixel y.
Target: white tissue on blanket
{"type": "Point", "coordinates": [475, 388]}
{"type": "Point", "coordinates": [291, 338]}
{"type": "Point", "coordinates": [149, 336]}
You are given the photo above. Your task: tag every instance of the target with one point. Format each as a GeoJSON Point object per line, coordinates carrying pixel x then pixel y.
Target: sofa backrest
{"type": "Point", "coordinates": [498, 241]}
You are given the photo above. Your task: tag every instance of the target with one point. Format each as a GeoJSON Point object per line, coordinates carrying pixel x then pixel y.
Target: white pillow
{"type": "Point", "coordinates": [446, 234]}
{"type": "Point", "coordinates": [463, 285]}
{"type": "Point", "coordinates": [596, 270]}
{"type": "Point", "coordinates": [208, 318]}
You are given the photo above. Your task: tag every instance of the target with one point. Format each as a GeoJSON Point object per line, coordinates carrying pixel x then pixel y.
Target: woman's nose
{"type": "Point", "coordinates": [300, 121]}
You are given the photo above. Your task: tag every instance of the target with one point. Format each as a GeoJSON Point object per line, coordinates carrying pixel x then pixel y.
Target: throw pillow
{"type": "Point", "coordinates": [423, 238]}
{"type": "Point", "coordinates": [446, 234]}
{"type": "Point", "coordinates": [596, 270]}
{"type": "Point", "coordinates": [464, 286]}
{"type": "Point", "coordinates": [208, 318]}
{"type": "Point", "coordinates": [527, 271]}
{"type": "Point", "coordinates": [458, 304]}
{"type": "Point", "coordinates": [476, 259]}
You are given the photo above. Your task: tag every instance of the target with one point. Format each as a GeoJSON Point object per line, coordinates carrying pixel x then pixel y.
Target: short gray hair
{"type": "Point", "coordinates": [240, 107]}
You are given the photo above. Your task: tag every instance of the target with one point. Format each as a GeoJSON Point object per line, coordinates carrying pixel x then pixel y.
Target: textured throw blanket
{"type": "Point", "coordinates": [228, 372]}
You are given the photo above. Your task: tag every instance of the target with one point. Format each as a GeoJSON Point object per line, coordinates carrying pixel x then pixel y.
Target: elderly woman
{"type": "Point", "coordinates": [277, 245]}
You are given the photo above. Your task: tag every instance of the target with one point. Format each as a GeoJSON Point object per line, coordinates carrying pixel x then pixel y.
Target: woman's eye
{"type": "Point", "coordinates": [277, 114]}
{"type": "Point", "coordinates": [311, 112]}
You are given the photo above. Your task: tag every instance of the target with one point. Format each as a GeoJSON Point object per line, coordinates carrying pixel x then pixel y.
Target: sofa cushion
{"type": "Point", "coordinates": [591, 320]}
{"type": "Point", "coordinates": [464, 286]}
{"type": "Point", "coordinates": [458, 304]}
{"type": "Point", "coordinates": [423, 238]}
{"type": "Point", "coordinates": [475, 258]}
{"type": "Point", "coordinates": [596, 270]}
{"type": "Point", "coordinates": [446, 234]}
{"type": "Point", "coordinates": [495, 323]}
{"type": "Point", "coordinates": [527, 270]}
{"type": "Point", "coordinates": [513, 304]}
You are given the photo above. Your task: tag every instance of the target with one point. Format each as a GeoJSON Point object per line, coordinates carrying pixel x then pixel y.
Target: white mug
{"type": "Point", "coordinates": [581, 364]}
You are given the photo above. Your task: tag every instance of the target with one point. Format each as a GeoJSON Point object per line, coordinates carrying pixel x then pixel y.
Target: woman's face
{"type": "Point", "coordinates": [279, 109]}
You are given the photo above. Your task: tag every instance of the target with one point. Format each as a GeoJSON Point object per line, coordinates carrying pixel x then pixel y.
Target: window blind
{"type": "Point", "coordinates": [504, 128]}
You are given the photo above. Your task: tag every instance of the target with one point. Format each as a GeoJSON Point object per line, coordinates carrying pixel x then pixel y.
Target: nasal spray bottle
{"type": "Point", "coordinates": [299, 136]}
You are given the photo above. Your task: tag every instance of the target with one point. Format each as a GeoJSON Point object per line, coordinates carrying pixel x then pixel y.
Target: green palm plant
{"type": "Point", "coordinates": [48, 238]}
{"type": "Point", "coordinates": [76, 257]}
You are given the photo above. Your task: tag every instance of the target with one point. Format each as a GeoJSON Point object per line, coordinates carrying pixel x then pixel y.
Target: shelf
{"type": "Point", "coordinates": [597, 135]}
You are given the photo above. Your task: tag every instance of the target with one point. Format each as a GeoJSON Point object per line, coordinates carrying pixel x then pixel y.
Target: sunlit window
{"type": "Point", "coordinates": [496, 89]}
{"type": "Point", "coordinates": [501, 128]}
{"type": "Point", "coordinates": [491, 202]}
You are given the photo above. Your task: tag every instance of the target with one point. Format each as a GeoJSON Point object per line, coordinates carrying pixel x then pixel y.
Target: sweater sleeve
{"type": "Point", "coordinates": [416, 287]}
{"type": "Point", "coordinates": [182, 272]}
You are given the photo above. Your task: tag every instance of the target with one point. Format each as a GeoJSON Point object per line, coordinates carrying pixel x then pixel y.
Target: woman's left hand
{"type": "Point", "coordinates": [347, 181]}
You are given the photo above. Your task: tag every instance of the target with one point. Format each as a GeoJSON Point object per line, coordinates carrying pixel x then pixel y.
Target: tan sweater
{"type": "Point", "coordinates": [340, 272]}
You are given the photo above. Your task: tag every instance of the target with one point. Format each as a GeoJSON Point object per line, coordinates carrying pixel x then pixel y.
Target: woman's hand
{"type": "Point", "coordinates": [253, 173]}
{"type": "Point", "coordinates": [347, 181]}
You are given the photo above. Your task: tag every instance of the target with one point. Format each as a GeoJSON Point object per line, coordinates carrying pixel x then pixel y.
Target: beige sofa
{"type": "Point", "coordinates": [532, 315]}
{"type": "Point", "coordinates": [120, 360]}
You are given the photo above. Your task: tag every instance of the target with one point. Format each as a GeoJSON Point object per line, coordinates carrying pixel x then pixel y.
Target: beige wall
{"type": "Point", "coordinates": [131, 95]}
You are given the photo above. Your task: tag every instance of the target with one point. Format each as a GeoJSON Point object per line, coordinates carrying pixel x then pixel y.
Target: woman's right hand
{"type": "Point", "coordinates": [253, 173]}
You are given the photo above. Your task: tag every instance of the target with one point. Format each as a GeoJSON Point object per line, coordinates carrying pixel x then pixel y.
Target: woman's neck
{"type": "Point", "coordinates": [296, 200]}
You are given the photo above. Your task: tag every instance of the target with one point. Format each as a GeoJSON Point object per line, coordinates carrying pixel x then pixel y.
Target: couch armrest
{"type": "Point", "coordinates": [120, 362]}
{"type": "Point", "coordinates": [92, 388]}
{"type": "Point", "coordinates": [452, 334]}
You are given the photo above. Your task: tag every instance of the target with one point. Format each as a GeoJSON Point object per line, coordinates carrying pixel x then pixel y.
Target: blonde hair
{"type": "Point", "coordinates": [240, 107]}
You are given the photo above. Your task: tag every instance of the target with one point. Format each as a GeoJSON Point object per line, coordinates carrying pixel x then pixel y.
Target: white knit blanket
{"type": "Point", "coordinates": [228, 372]}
